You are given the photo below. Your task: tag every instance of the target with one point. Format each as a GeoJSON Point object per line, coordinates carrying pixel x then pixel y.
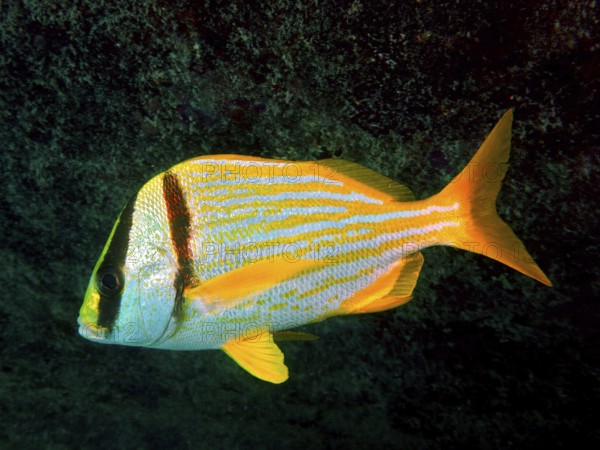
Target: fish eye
{"type": "Point", "coordinates": [109, 281]}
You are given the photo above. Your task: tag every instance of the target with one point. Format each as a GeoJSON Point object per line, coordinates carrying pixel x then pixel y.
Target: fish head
{"type": "Point", "coordinates": [131, 294]}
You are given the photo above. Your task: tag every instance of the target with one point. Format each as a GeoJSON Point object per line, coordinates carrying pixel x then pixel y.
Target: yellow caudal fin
{"type": "Point", "coordinates": [476, 188]}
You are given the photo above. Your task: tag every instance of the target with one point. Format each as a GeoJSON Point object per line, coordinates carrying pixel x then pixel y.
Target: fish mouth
{"type": "Point", "coordinates": [91, 331]}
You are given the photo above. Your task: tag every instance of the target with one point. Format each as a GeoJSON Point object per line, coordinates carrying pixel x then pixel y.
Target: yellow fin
{"type": "Point", "coordinates": [383, 304]}
{"type": "Point", "coordinates": [387, 189]}
{"type": "Point", "coordinates": [476, 188]}
{"type": "Point", "coordinates": [391, 289]}
{"type": "Point", "coordinates": [259, 355]}
{"type": "Point", "coordinates": [408, 276]}
{"type": "Point", "coordinates": [230, 288]}
{"type": "Point", "coordinates": [294, 336]}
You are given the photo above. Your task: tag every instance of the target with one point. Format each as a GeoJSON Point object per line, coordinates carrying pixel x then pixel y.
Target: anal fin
{"type": "Point", "coordinates": [383, 304]}
{"type": "Point", "coordinates": [390, 290]}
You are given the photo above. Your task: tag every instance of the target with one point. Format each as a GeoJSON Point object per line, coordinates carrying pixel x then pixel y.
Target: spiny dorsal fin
{"type": "Point", "coordinates": [391, 190]}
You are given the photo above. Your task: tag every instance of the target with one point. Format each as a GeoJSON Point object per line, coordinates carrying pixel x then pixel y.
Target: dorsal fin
{"type": "Point", "coordinates": [388, 189]}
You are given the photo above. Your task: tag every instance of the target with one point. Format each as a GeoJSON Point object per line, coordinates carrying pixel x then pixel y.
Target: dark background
{"type": "Point", "coordinates": [97, 98]}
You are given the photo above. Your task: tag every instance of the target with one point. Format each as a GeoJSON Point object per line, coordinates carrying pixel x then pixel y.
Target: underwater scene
{"type": "Point", "coordinates": [301, 225]}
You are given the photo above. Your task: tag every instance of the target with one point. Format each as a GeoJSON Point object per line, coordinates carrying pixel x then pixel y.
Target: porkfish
{"type": "Point", "coordinates": [231, 252]}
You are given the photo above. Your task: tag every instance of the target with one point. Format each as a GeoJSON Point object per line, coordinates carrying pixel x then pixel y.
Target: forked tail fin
{"type": "Point", "coordinates": [476, 188]}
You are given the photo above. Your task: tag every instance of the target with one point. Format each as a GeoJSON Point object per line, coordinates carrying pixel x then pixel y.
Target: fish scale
{"type": "Point", "coordinates": [282, 223]}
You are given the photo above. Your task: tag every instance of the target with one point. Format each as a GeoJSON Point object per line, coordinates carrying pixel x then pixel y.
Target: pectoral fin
{"type": "Point", "coordinates": [231, 288]}
{"type": "Point", "coordinates": [259, 355]}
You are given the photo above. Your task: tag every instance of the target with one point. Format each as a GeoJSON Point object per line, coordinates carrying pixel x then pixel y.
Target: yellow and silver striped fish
{"type": "Point", "coordinates": [223, 252]}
